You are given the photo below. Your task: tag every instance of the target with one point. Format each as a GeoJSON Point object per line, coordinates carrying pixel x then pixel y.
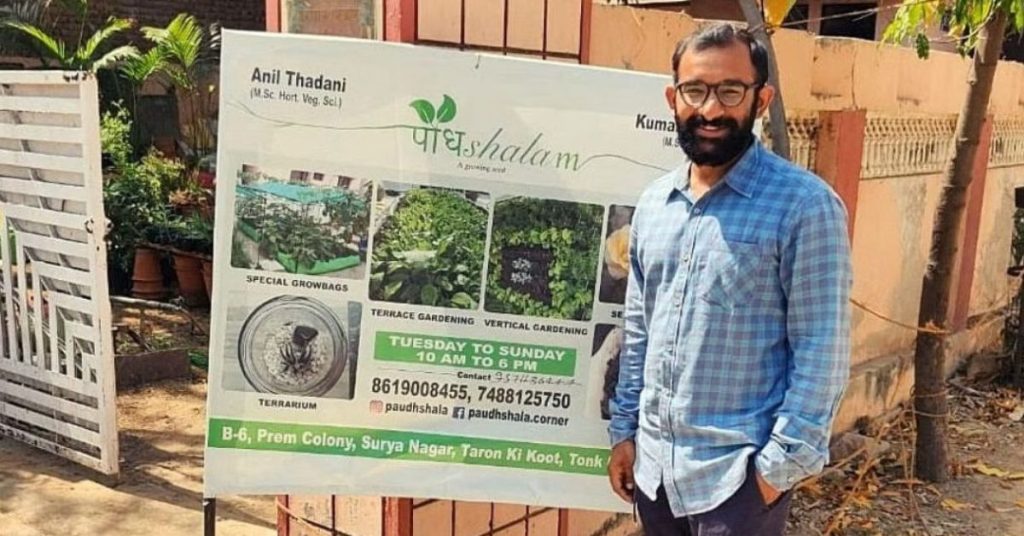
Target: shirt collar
{"type": "Point", "coordinates": [742, 177]}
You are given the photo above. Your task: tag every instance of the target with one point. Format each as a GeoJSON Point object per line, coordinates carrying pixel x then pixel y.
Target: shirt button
{"type": "Point", "coordinates": [696, 212]}
{"type": "Point", "coordinates": [686, 259]}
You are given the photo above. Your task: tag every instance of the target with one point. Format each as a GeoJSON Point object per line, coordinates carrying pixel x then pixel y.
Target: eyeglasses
{"type": "Point", "coordinates": [729, 94]}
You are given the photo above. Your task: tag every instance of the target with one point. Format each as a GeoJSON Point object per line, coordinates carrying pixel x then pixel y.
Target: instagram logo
{"type": "Point", "coordinates": [458, 412]}
{"type": "Point", "coordinates": [376, 406]}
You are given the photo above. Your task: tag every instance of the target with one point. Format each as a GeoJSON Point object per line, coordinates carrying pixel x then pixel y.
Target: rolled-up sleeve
{"type": "Point", "coordinates": [816, 275]}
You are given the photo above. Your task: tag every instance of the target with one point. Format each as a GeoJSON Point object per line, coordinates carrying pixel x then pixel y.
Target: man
{"type": "Point", "coordinates": [736, 351]}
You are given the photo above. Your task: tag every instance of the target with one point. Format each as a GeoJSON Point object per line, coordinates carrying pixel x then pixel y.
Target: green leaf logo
{"type": "Point", "coordinates": [447, 110]}
{"type": "Point", "coordinates": [425, 110]}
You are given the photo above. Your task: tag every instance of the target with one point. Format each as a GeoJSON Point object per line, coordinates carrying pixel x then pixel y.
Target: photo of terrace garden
{"type": "Point", "coordinates": [428, 246]}
{"type": "Point", "coordinates": [308, 223]}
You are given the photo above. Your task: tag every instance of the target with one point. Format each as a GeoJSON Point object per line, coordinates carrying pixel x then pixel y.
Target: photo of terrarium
{"type": "Point", "coordinates": [291, 345]}
{"type": "Point", "coordinates": [428, 245]}
{"type": "Point", "coordinates": [543, 258]}
{"type": "Point", "coordinates": [310, 223]}
{"type": "Point", "coordinates": [615, 268]}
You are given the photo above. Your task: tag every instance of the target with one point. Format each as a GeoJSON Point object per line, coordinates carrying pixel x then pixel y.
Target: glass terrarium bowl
{"type": "Point", "coordinates": [292, 345]}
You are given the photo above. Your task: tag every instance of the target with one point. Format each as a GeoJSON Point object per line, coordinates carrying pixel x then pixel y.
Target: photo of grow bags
{"type": "Point", "coordinates": [310, 224]}
{"type": "Point", "coordinates": [543, 258]}
{"type": "Point", "coordinates": [429, 246]}
{"type": "Point", "coordinates": [615, 265]}
{"type": "Point", "coordinates": [291, 345]}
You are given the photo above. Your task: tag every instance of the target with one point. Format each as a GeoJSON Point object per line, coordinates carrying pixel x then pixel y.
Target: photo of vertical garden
{"type": "Point", "coordinates": [429, 246]}
{"type": "Point", "coordinates": [543, 258]}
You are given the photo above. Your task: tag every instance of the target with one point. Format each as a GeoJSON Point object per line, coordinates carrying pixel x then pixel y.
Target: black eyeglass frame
{"type": "Point", "coordinates": [714, 88]}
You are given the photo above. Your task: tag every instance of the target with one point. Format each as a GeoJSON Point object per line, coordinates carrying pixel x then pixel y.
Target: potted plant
{"type": "Point", "coordinates": [133, 201]}
{"type": "Point", "coordinates": [190, 241]}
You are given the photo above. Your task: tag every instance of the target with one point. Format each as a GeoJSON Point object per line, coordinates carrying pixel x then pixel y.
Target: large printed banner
{"type": "Point", "coordinates": [421, 264]}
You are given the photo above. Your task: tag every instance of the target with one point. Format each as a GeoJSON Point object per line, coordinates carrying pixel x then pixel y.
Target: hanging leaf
{"type": "Point", "coordinates": [447, 110]}
{"type": "Point", "coordinates": [424, 109]}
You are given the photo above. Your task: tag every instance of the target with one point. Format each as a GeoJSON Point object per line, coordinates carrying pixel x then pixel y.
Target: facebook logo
{"type": "Point", "coordinates": [458, 412]}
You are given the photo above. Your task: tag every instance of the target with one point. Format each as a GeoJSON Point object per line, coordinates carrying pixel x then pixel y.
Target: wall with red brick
{"type": "Point", "coordinates": [233, 14]}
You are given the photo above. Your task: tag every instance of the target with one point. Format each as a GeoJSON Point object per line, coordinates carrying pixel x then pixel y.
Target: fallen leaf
{"type": "Point", "coordinates": [989, 471]}
{"type": "Point", "coordinates": [1015, 476]}
{"type": "Point", "coordinates": [954, 505]}
{"type": "Point", "coordinates": [1018, 413]}
{"type": "Point", "coordinates": [1020, 503]}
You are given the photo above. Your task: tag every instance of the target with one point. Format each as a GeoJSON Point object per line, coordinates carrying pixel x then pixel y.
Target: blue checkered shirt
{"type": "Point", "coordinates": [737, 331]}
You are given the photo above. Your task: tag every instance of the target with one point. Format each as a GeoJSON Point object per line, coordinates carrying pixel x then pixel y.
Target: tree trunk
{"type": "Point", "coordinates": [930, 353]}
{"type": "Point", "coordinates": [777, 110]}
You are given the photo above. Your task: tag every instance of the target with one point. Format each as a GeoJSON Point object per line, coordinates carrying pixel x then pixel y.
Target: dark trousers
{"type": "Point", "coordinates": [743, 514]}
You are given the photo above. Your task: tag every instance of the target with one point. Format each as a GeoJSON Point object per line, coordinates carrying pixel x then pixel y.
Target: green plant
{"type": "Point", "coordinates": [133, 200]}
{"type": "Point", "coordinates": [92, 54]}
{"type": "Point", "coordinates": [169, 173]}
{"type": "Point", "coordinates": [239, 258]}
{"type": "Point", "coordinates": [431, 251]}
{"type": "Point", "coordinates": [12, 42]}
{"type": "Point", "coordinates": [301, 237]}
{"type": "Point", "coordinates": [115, 137]}
{"type": "Point", "coordinates": [190, 234]}
{"type": "Point", "coordinates": [185, 53]}
{"type": "Point", "coordinates": [552, 247]}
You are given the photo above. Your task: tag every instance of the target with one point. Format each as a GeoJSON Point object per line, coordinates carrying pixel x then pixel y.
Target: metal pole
{"type": "Point", "coordinates": [209, 516]}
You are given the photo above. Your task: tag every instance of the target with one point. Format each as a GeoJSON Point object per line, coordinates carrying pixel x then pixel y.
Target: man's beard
{"type": "Point", "coordinates": [722, 150]}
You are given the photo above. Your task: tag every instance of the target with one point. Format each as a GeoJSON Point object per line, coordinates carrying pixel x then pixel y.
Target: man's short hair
{"type": "Point", "coordinates": [721, 35]}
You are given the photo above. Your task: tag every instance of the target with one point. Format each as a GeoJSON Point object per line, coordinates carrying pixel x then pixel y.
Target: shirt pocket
{"type": "Point", "coordinates": [729, 273]}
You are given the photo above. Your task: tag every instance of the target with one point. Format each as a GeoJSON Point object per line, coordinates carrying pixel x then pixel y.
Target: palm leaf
{"type": "Point", "coordinates": [182, 40]}
{"type": "Point", "coordinates": [142, 66]}
{"type": "Point", "coordinates": [113, 27]}
{"type": "Point", "coordinates": [110, 59]}
{"type": "Point", "coordinates": [50, 46]}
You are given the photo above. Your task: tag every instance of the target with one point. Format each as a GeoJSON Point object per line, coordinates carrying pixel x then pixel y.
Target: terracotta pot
{"type": "Point", "coordinates": [189, 270]}
{"type": "Point", "coordinates": [208, 278]}
{"type": "Point", "coordinates": [147, 278]}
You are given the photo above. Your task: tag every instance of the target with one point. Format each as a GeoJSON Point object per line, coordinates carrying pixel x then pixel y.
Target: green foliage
{"type": "Point", "coordinates": [965, 18]}
{"type": "Point", "coordinates": [430, 251]}
{"type": "Point", "coordinates": [181, 45]}
{"type": "Point", "coordinates": [115, 136]}
{"type": "Point", "coordinates": [91, 55]}
{"type": "Point", "coordinates": [184, 52]}
{"type": "Point", "coordinates": [192, 233]}
{"type": "Point", "coordinates": [571, 232]}
{"type": "Point", "coordinates": [135, 193]}
{"type": "Point", "coordinates": [167, 172]}
{"type": "Point", "coordinates": [297, 231]}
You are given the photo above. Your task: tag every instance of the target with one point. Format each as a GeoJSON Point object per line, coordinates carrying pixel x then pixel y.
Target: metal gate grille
{"type": "Point", "coordinates": [57, 360]}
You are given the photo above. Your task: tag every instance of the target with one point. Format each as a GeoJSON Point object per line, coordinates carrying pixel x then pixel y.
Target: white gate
{"type": "Point", "coordinates": [57, 359]}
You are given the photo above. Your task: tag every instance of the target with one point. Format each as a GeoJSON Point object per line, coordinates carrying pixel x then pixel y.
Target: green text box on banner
{"type": "Point", "coordinates": [405, 445]}
{"type": "Point", "coordinates": [474, 353]}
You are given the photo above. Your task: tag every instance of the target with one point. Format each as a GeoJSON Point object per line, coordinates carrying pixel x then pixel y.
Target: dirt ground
{"type": "Point", "coordinates": [162, 433]}
{"type": "Point", "coordinates": [162, 428]}
{"type": "Point", "coordinates": [872, 495]}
